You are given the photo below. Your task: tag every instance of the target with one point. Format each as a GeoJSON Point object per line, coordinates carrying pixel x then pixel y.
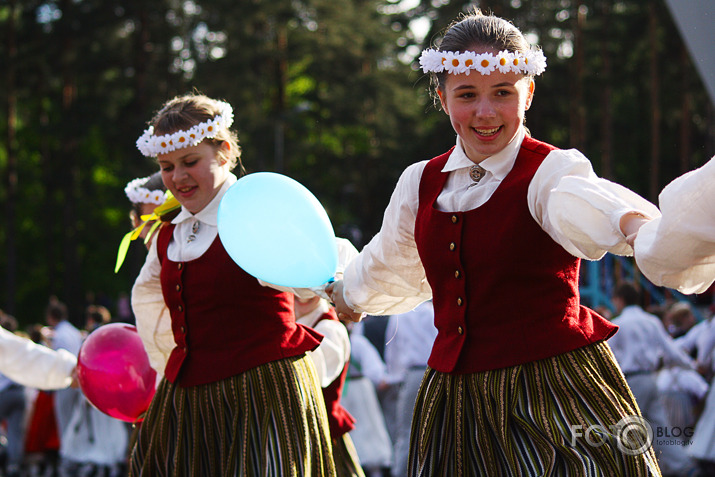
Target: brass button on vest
{"type": "Point", "coordinates": [452, 246]}
{"type": "Point", "coordinates": [460, 330]}
{"type": "Point", "coordinates": [459, 301]}
{"type": "Point", "coordinates": [457, 274]}
{"type": "Point", "coordinates": [455, 219]}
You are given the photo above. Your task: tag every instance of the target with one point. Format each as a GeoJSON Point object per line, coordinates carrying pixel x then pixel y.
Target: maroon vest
{"type": "Point", "coordinates": [339, 419]}
{"type": "Point", "coordinates": [224, 322]}
{"type": "Point", "coordinates": [504, 292]}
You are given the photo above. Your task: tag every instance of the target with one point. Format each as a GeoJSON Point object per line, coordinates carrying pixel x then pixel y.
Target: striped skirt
{"type": "Point", "coordinates": [347, 462]}
{"type": "Point", "coordinates": [554, 417]}
{"type": "Point", "coordinates": [268, 421]}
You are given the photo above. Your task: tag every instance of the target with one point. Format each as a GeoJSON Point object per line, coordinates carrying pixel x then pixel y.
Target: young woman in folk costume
{"type": "Point", "coordinates": [520, 380]}
{"type": "Point", "coordinates": [239, 394]}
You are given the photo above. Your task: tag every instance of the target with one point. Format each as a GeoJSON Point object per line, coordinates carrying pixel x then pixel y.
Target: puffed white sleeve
{"type": "Point", "coordinates": [152, 315]}
{"type": "Point", "coordinates": [33, 365]}
{"type": "Point", "coordinates": [332, 353]}
{"type": "Point", "coordinates": [678, 249]}
{"type": "Point", "coordinates": [580, 210]}
{"type": "Point", "coordinates": [387, 276]}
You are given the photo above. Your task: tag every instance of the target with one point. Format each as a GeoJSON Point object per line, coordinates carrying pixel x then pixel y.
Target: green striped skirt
{"type": "Point", "coordinates": [570, 415]}
{"type": "Point", "coordinates": [268, 421]}
{"type": "Point", "coordinates": [347, 462]}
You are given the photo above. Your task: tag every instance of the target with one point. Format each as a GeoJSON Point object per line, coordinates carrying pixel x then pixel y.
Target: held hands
{"type": "Point", "coordinates": [630, 224]}
{"type": "Point", "coordinates": [345, 313]}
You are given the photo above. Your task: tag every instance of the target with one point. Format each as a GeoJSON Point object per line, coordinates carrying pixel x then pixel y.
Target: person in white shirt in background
{"type": "Point", "coordinates": [641, 346]}
{"type": "Point", "coordinates": [64, 336]}
{"type": "Point", "coordinates": [366, 372]}
{"type": "Point", "coordinates": [701, 340]}
{"type": "Point", "coordinates": [682, 390]}
{"type": "Point", "coordinates": [409, 338]}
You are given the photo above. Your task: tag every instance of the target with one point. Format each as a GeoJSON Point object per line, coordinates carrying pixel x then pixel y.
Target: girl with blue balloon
{"type": "Point", "coordinates": [238, 396]}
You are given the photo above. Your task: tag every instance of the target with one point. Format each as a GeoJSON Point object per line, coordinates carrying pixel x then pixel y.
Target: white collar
{"type": "Point", "coordinates": [499, 164]}
{"type": "Point", "coordinates": [208, 214]}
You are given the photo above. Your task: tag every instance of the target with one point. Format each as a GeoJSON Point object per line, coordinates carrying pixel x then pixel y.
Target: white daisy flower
{"type": "Point", "coordinates": [537, 63]}
{"type": "Point", "coordinates": [180, 138]}
{"type": "Point", "coordinates": [431, 60]}
{"type": "Point", "coordinates": [451, 62]}
{"type": "Point", "coordinates": [156, 197]}
{"type": "Point", "coordinates": [469, 60]}
{"type": "Point", "coordinates": [485, 63]}
{"type": "Point", "coordinates": [503, 61]}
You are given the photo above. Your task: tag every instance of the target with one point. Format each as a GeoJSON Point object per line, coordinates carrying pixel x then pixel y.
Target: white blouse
{"type": "Point", "coordinates": [578, 209]}
{"type": "Point", "coordinates": [677, 250]}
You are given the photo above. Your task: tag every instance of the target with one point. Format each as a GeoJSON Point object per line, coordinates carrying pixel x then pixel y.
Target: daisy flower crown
{"type": "Point", "coordinates": [151, 145]}
{"type": "Point", "coordinates": [533, 62]}
{"type": "Point", "coordinates": [141, 195]}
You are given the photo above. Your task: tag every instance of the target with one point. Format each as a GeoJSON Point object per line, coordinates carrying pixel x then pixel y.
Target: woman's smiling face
{"type": "Point", "coordinates": [486, 111]}
{"type": "Point", "coordinates": [194, 174]}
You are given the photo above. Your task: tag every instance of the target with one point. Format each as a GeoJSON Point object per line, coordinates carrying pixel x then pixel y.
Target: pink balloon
{"type": "Point", "coordinates": [114, 372]}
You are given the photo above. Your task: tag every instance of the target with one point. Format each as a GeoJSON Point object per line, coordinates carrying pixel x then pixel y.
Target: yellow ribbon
{"type": "Point", "coordinates": [170, 204]}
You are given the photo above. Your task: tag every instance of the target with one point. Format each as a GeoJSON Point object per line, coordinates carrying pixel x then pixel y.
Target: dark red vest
{"type": "Point", "coordinates": [224, 322]}
{"type": "Point", "coordinates": [339, 419]}
{"type": "Point", "coordinates": [504, 292]}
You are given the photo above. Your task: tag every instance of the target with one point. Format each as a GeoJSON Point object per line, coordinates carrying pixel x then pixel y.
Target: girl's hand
{"type": "Point", "coordinates": [345, 313]}
{"type": "Point", "coordinates": [630, 223]}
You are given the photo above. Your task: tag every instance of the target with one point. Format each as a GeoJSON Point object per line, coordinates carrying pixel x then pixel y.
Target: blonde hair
{"type": "Point", "coordinates": [183, 112]}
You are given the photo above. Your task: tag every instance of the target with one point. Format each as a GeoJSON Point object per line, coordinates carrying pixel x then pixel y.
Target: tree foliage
{"type": "Point", "coordinates": [326, 91]}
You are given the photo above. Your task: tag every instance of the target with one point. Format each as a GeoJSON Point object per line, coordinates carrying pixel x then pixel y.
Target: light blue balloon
{"type": "Point", "coordinates": [276, 230]}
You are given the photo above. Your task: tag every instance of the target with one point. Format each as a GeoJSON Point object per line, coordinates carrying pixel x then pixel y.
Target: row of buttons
{"type": "Point", "coordinates": [180, 266]}
{"type": "Point", "coordinates": [457, 273]}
